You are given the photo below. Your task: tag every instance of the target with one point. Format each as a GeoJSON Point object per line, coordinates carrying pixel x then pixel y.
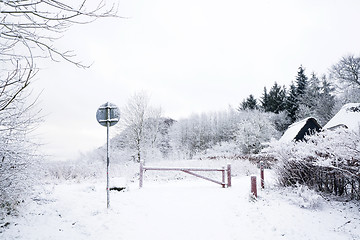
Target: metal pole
{"type": "Point", "coordinates": [107, 155]}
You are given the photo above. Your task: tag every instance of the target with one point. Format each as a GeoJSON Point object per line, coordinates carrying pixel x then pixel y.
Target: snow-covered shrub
{"type": "Point", "coordinates": [19, 160]}
{"type": "Point", "coordinates": [328, 161]}
{"type": "Point", "coordinates": [200, 132]}
{"type": "Point", "coordinates": [73, 170]}
{"type": "Point", "coordinates": [87, 167]}
{"type": "Point", "coordinates": [306, 198]}
{"type": "Point", "coordinates": [254, 129]}
{"type": "Point", "coordinates": [281, 121]}
{"type": "Point", "coordinates": [223, 149]}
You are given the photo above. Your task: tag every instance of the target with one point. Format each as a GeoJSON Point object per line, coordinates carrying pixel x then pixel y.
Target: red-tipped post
{"type": "Point", "coordinates": [253, 186]}
{"type": "Point", "coordinates": [229, 175]}
{"type": "Point", "coordinates": [262, 174]}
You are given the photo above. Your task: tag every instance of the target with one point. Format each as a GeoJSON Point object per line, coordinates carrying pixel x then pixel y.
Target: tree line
{"type": "Point", "coordinates": [311, 95]}
{"type": "Point", "coordinates": [245, 130]}
{"type": "Point", "coordinates": [306, 96]}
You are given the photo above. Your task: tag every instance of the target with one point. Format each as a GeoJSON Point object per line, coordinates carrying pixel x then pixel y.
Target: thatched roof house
{"type": "Point", "coordinates": [298, 130]}
{"type": "Point", "coordinates": [348, 117]}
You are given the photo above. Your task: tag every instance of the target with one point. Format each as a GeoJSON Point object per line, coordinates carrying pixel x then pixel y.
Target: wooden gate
{"type": "Point", "coordinates": [225, 181]}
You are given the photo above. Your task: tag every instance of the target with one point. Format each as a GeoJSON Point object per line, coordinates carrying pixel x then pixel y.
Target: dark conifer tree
{"type": "Point", "coordinates": [274, 101]}
{"type": "Point", "coordinates": [296, 94]}
{"type": "Point", "coordinates": [292, 103]}
{"type": "Point", "coordinates": [277, 97]}
{"type": "Point", "coordinates": [249, 104]}
{"type": "Point", "coordinates": [301, 81]}
{"type": "Point", "coordinates": [264, 101]}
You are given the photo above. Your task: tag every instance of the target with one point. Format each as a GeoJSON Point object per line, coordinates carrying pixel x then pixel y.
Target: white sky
{"type": "Point", "coordinates": [190, 57]}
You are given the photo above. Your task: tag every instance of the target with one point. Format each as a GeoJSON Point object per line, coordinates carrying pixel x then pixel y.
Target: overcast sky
{"type": "Point", "coordinates": [190, 56]}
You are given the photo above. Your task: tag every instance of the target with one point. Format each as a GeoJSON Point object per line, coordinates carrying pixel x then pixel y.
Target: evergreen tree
{"type": "Point", "coordinates": [264, 101]}
{"type": "Point", "coordinates": [277, 96]}
{"type": "Point", "coordinates": [274, 101]}
{"type": "Point", "coordinates": [292, 104]}
{"type": "Point", "coordinates": [301, 81]}
{"type": "Point", "coordinates": [326, 101]}
{"type": "Point", "coordinates": [249, 104]}
{"type": "Point", "coordinates": [312, 92]}
{"type": "Point", "coordinates": [317, 101]}
{"type": "Point", "coordinates": [309, 100]}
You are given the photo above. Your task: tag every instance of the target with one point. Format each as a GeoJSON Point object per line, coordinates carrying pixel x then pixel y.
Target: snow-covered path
{"type": "Point", "coordinates": [183, 210]}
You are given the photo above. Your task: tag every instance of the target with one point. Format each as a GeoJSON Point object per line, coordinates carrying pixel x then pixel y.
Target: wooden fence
{"type": "Point", "coordinates": [225, 177]}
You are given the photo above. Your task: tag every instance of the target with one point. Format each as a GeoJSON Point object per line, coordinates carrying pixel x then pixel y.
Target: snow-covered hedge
{"type": "Point", "coordinates": [328, 161]}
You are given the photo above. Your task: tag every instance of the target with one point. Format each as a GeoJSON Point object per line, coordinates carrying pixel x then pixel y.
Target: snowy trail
{"type": "Point", "coordinates": [181, 210]}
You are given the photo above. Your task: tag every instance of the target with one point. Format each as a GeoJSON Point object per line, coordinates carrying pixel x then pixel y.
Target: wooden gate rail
{"type": "Point", "coordinates": [223, 183]}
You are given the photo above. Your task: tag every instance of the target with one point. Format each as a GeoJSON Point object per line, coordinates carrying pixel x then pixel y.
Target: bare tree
{"type": "Point", "coordinates": [142, 121]}
{"type": "Point", "coordinates": [347, 71]}
{"type": "Point", "coordinates": [28, 32]}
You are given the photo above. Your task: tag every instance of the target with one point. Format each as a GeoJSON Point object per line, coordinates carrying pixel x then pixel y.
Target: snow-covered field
{"type": "Point", "coordinates": [182, 209]}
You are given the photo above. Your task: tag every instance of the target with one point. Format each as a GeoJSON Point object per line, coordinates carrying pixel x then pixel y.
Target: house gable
{"type": "Point", "coordinates": [297, 131]}
{"type": "Point", "coordinates": [348, 116]}
{"type": "Point", "coordinates": [310, 127]}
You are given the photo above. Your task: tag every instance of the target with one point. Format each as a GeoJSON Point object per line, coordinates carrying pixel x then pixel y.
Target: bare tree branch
{"type": "Point", "coordinates": [347, 71]}
{"type": "Point", "coordinates": [28, 32]}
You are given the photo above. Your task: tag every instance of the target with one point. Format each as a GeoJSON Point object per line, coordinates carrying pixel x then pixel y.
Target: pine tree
{"type": "Point", "coordinates": [296, 95]}
{"type": "Point", "coordinates": [309, 100]}
{"type": "Point", "coordinates": [249, 104]}
{"type": "Point", "coordinates": [301, 81]}
{"type": "Point", "coordinates": [312, 92]}
{"type": "Point", "coordinates": [274, 101]}
{"type": "Point", "coordinates": [326, 101]}
{"type": "Point", "coordinates": [264, 101]}
{"type": "Point", "coordinates": [292, 104]}
{"type": "Point", "coordinates": [276, 98]}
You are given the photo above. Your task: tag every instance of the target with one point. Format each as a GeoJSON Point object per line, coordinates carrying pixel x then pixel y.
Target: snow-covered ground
{"type": "Point", "coordinates": [183, 209]}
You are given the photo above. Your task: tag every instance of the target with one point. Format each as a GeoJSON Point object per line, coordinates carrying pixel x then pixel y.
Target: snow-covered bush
{"type": "Point", "coordinates": [328, 161]}
{"type": "Point", "coordinates": [306, 198]}
{"type": "Point", "coordinates": [80, 169]}
{"type": "Point", "coordinates": [223, 149]}
{"type": "Point", "coordinates": [73, 170]}
{"type": "Point", "coordinates": [18, 157]}
{"type": "Point", "coordinates": [200, 132]}
{"type": "Point", "coordinates": [254, 129]}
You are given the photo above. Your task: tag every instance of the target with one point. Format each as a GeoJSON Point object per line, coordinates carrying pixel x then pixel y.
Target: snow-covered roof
{"type": "Point", "coordinates": [349, 115]}
{"type": "Point", "coordinates": [293, 130]}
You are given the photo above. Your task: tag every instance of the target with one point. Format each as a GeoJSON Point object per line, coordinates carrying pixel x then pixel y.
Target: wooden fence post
{"type": "Point", "coordinates": [141, 175]}
{"type": "Point", "coordinates": [262, 174]}
{"type": "Point", "coordinates": [253, 186]}
{"type": "Point", "coordinates": [223, 177]}
{"type": "Point", "coordinates": [229, 175]}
